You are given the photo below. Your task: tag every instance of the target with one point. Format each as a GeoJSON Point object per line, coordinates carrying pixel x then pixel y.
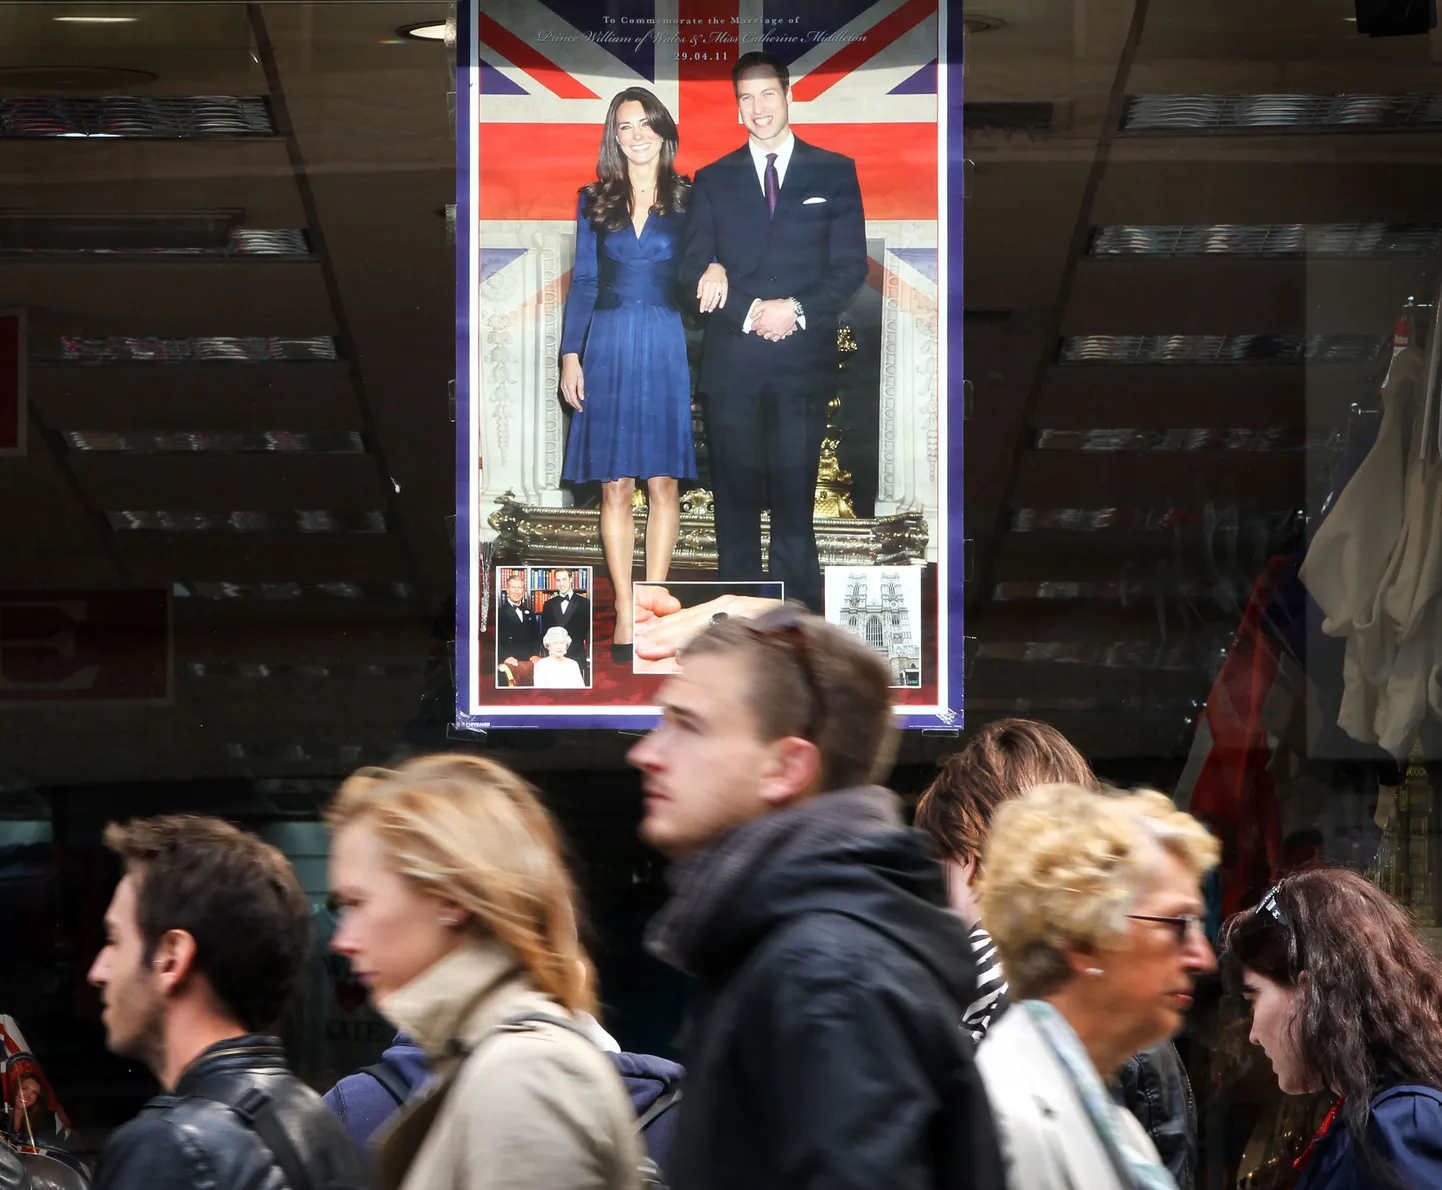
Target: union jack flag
{"type": "Point", "coordinates": [863, 77]}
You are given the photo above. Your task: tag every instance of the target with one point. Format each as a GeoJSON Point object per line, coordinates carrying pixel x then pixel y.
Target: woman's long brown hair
{"type": "Point", "coordinates": [1369, 990]}
{"type": "Point", "coordinates": [607, 200]}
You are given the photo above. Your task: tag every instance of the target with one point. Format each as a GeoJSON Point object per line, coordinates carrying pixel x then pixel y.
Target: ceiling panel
{"type": "Point", "coordinates": [1223, 296]}
{"type": "Point", "coordinates": [180, 297]}
{"type": "Point", "coordinates": [162, 558]}
{"type": "Point", "coordinates": [219, 481]}
{"type": "Point", "coordinates": [314, 395]}
{"type": "Point", "coordinates": [1074, 479]}
{"type": "Point", "coordinates": [145, 176]}
{"type": "Point", "coordinates": [1162, 396]}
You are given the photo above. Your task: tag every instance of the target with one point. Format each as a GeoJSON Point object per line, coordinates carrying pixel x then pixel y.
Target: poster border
{"type": "Point", "coordinates": [471, 564]}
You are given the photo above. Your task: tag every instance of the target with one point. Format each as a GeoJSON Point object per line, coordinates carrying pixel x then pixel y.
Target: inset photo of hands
{"type": "Point", "coordinates": [670, 615]}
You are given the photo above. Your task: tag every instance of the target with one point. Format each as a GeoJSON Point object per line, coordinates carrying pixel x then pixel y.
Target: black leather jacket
{"type": "Point", "coordinates": [192, 1140]}
{"type": "Point", "coordinates": [1155, 1089]}
{"type": "Point", "coordinates": [12, 1170]}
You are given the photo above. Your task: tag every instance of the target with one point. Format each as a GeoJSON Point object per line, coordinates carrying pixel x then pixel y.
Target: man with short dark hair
{"type": "Point", "coordinates": [784, 217]}
{"type": "Point", "coordinates": [204, 940]}
{"type": "Point", "coordinates": [826, 1049]}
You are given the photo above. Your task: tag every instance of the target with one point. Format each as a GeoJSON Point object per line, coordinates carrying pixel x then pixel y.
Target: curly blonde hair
{"type": "Point", "coordinates": [1064, 866]}
{"type": "Point", "coordinates": [467, 830]}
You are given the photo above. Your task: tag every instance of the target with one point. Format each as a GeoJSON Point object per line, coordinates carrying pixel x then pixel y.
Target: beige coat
{"type": "Point", "coordinates": [534, 1107]}
{"type": "Point", "coordinates": [1047, 1139]}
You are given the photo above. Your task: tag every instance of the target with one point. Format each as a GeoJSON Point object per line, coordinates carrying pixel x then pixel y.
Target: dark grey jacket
{"type": "Point", "coordinates": [826, 1049]}
{"type": "Point", "coordinates": [1155, 1089]}
{"type": "Point", "coordinates": [12, 1170]}
{"type": "Point", "coordinates": [193, 1139]}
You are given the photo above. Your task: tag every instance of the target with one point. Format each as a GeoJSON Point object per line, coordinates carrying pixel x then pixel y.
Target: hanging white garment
{"type": "Point", "coordinates": [1375, 569]}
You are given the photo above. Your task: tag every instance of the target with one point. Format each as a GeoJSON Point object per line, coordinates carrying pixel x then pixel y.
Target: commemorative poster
{"type": "Point", "coordinates": [708, 342]}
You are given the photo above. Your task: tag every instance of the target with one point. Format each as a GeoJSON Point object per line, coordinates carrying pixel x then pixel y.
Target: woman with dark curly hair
{"type": "Point", "coordinates": [1346, 997]}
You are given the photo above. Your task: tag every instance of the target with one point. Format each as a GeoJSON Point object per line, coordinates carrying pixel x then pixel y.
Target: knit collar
{"type": "Point", "coordinates": [458, 998]}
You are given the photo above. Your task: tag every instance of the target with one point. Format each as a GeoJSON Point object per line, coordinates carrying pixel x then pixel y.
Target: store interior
{"type": "Point", "coordinates": [1196, 238]}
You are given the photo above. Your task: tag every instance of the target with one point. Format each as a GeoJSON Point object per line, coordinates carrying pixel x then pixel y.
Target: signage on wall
{"type": "Point", "coordinates": [85, 646]}
{"type": "Point", "coordinates": [745, 387]}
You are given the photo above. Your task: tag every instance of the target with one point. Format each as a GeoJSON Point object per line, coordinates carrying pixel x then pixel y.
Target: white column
{"type": "Point", "coordinates": [910, 381]}
{"type": "Point", "coordinates": [519, 320]}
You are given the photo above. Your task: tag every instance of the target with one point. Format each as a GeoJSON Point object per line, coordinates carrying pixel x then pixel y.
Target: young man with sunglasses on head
{"type": "Point", "coordinates": [826, 1047]}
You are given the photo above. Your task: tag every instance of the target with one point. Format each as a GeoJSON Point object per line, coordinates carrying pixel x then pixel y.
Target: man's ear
{"type": "Point", "coordinates": [174, 959]}
{"type": "Point", "coordinates": [793, 771]}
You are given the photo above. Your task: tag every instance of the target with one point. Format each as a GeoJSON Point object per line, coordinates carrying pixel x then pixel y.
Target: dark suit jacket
{"type": "Point", "coordinates": [812, 251]}
{"type": "Point", "coordinates": [576, 621]}
{"type": "Point", "coordinates": [516, 637]}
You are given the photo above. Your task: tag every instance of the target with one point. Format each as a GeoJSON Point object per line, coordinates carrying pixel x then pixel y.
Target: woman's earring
{"type": "Point", "coordinates": [1095, 972]}
{"type": "Point", "coordinates": [450, 920]}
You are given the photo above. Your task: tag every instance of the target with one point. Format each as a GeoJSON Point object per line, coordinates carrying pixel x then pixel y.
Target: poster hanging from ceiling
{"type": "Point", "coordinates": [708, 342]}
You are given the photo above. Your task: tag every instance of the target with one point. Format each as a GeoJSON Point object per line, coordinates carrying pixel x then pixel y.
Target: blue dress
{"type": "Point", "coordinates": [623, 320]}
{"type": "Point", "coordinates": [1405, 1132]}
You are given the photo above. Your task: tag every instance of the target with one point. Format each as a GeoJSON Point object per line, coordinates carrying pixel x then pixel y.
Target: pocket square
{"type": "Point", "coordinates": [806, 202]}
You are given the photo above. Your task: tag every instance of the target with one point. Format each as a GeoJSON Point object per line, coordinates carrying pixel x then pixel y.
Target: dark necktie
{"type": "Point", "coordinates": [773, 182]}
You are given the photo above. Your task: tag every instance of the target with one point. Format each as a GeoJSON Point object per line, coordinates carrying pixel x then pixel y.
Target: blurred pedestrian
{"type": "Point", "coordinates": [1094, 900]}
{"type": "Point", "coordinates": [1001, 761]}
{"type": "Point", "coordinates": [1346, 997]}
{"type": "Point", "coordinates": [825, 1049]}
{"type": "Point", "coordinates": [456, 913]}
{"type": "Point", "coordinates": [204, 940]}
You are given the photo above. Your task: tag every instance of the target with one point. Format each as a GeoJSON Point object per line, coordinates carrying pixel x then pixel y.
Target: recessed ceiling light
{"type": "Point", "coordinates": [981, 24]}
{"type": "Point", "coordinates": [96, 20]}
{"type": "Point", "coordinates": [425, 31]}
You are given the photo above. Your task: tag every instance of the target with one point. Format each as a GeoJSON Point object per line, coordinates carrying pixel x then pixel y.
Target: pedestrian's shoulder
{"type": "Point", "coordinates": [157, 1148]}
{"type": "Point", "coordinates": [824, 950]}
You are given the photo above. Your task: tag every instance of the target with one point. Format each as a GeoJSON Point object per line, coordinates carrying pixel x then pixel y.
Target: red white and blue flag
{"type": "Point", "coordinates": [863, 77]}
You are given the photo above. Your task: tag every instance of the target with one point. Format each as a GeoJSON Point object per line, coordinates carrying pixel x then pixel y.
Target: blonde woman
{"type": "Point", "coordinates": [1094, 902]}
{"type": "Point", "coordinates": [456, 914]}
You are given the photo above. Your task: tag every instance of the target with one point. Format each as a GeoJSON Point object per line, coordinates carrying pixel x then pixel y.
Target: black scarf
{"type": "Point", "coordinates": [706, 884]}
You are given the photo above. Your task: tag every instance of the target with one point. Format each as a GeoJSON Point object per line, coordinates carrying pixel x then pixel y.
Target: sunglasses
{"type": "Point", "coordinates": [1268, 905]}
{"type": "Point", "coordinates": [788, 625]}
{"type": "Point", "coordinates": [1183, 926]}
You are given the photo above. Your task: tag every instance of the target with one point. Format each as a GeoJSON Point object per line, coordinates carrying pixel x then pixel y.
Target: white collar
{"type": "Point", "coordinates": [783, 154]}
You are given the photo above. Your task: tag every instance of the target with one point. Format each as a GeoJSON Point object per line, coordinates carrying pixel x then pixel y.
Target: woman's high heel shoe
{"type": "Point", "coordinates": [621, 654]}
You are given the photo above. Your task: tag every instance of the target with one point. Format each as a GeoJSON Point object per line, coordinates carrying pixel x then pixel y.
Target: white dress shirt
{"type": "Point", "coordinates": [783, 159]}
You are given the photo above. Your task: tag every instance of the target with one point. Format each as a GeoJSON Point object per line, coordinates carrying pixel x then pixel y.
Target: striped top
{"type": "Point", "coordinates": [991, 999]}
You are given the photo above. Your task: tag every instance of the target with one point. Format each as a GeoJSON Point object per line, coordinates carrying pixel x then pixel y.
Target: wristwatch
{"type": "Point", "coordinates": [799, 308]}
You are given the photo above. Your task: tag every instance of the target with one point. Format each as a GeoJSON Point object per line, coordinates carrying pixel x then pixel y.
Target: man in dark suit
{"type": "Point", "coordinates": [565, 609]}
{"type": "Point", "coordinates": [785, 219]}
{"type": "Point", "coordinates": [518, 630]}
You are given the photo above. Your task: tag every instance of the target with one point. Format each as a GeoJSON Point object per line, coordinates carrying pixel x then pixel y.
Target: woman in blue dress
{"type": "Point", "coordinates": [623, 351]}
{"type": "Point", "coordinates": [1346, 997]}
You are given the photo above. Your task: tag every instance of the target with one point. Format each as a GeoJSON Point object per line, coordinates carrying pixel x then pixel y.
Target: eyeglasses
{"type": "Point", "coordinates": [1184, 925]}
{"type": "Point", "coordinates": [787, 624]}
